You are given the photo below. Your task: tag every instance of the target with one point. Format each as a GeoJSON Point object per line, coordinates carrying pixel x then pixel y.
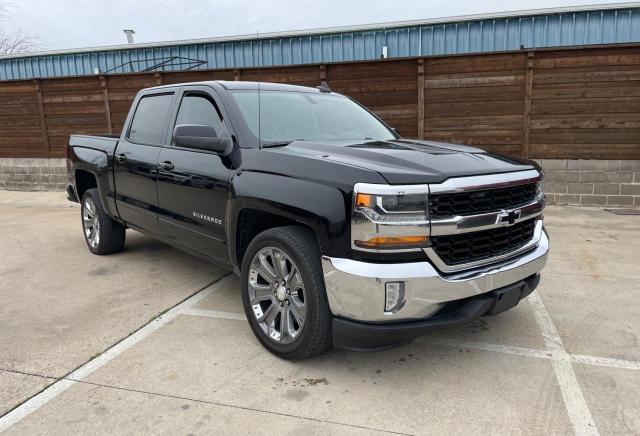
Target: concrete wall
{"type": "Point", "coordinates": [567, 181]}
{"type": "Point", "coordinates": [592, 182]}
{"type": "Point", "coordinates": [33, 174]}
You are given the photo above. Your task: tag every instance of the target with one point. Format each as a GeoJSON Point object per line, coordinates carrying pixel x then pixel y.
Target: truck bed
{"type": "Point", "coordinates": [106, 142]}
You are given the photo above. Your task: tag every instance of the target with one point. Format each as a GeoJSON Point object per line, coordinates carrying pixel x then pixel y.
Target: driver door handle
{"type": "Point", "coordinates": [166, 165]}
{"type": "Point", "coordinates": [121, 158]}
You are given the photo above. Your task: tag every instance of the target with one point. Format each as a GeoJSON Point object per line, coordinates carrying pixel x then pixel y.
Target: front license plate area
{"type": "Point", "coordinates": [507, 298]}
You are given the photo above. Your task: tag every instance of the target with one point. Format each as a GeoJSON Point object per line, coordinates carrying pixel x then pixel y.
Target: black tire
{"type": "Point", "coordinates": [111, 234]}
{"type": "Point", "coordinates": [301, 246]}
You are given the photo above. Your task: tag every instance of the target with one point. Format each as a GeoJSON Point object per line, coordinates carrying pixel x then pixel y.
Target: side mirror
{"type": "Point", "coordinates": [396, 131]}
{"type": "Point", "coordinates": [201, 137]}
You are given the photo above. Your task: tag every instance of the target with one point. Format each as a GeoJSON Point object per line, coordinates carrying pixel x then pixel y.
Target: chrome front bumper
{"type": "Point", "coordinates": [356, 289]}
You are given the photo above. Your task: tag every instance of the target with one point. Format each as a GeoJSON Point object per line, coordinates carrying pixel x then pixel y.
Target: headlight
{"type": "Point", "coordinates": [540, 185]}
{"type": "Point", "coordinates": [390, 217]}
{"type": "Point", "coordinates": [408, 207]}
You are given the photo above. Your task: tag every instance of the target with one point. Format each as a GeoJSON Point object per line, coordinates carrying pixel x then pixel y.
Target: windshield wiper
{"type": "Point", "coordinates": [279, 143]}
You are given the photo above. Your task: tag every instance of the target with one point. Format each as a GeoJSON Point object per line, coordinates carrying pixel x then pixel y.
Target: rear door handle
{"type": "Point", "coordinates": [166, 165]}
{"type": "Point", "coordinates": [121, 158]}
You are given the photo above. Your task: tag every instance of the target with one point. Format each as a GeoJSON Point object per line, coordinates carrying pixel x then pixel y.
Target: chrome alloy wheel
{"type": "Point", "coordinates": [277, 295]}
{"type": "Point", "coordinates": [90, 222]}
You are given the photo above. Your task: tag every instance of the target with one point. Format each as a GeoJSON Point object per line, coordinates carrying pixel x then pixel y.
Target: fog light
{"type": "Point", "coordinates": [393, 296]}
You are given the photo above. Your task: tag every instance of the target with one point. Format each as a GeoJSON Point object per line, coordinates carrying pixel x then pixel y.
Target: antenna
{"type": "Point", "coordinates": [259, 77]}
{"type": "Point", "coordinates": [324, 87]}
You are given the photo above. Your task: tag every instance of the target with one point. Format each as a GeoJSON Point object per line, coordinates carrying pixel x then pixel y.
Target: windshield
{"type": "Point", "coordinates": [289, 116]}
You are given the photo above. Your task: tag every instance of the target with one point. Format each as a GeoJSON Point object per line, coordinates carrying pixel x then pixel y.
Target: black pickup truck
{"type": "Point", "coordinates": [343, 233]}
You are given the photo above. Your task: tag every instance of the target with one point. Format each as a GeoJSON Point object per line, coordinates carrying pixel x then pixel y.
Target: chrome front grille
{"type": "Point", "coordinates": [477, 221]}
{"type": "Point", "coordinates": [485, 244]}
{"type": "Point", "coordinates": [476, 202]}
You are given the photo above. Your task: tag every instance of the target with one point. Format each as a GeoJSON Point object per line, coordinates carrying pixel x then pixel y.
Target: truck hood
{"type": "Point", "coordinates": [410, 161]}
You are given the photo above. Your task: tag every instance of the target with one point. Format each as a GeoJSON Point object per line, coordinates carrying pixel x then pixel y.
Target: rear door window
{"type": "Point", "coordinates": [149, 120]}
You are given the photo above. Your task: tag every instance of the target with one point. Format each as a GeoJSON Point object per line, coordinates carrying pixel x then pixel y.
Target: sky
{"type": "Point", "coordinates": [64, 24]}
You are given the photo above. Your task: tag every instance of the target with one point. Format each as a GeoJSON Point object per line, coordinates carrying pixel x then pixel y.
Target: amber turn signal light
{"type": "Point", "coordinates": [386, 242]}
{"type": "Point", "coordinates": [364, 200]}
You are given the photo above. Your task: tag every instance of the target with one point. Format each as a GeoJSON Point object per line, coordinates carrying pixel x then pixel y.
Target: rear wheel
{"type": "Point", "coordinates": [102, 234]}
{"type": "Point", "coordinates": [283, 293]}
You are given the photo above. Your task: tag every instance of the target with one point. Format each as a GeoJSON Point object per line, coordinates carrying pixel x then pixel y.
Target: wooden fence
{"type": "Point", "coordinates": [571, 103]}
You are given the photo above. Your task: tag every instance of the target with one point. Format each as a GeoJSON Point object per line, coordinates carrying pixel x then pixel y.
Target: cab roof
{"type": "Point", "coordinates": [244, 85]}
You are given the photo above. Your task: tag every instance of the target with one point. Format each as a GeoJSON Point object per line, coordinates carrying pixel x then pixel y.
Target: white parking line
{"type": "Point", "coordinates": [577, 407]}
{"type": "Point", "coordinates": [65, 383]}
{"type": "Point", "coordinates": [494, 348]}
{"type": "Point", "coordinates": [214, 314]}
{"type": "Point", "coordinates": [456, 343]}
{"type": "Point", "coordinates": [605, 361]}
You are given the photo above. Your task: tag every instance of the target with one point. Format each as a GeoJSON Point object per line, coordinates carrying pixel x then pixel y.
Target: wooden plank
{"type": "Point", "coordinates": [21, 121]}
{"type": "Point", "coordinates": [43, 120]}
{"type": "Point", "coordinates": [477, 137]}
{"type": "Point", "coordinates": [586, 121]}
{"type": "Point", "coordinates": [474, 81]}
{"type": "Point", "coordinates": [510, 150]}
{"type": "Point", "coordinates": [21, 98]}
{"type": "Point", "coordinates": [120, 106]}
{"type": "Point", "coordinates": [471, 108]}
{"type": "Point", "coordinates": [383, 98]}
{"type": "Point", "coordinates": [136, 82]}
{"type": "Point", "coordinates": [75, 108]}
{"type": "Point", "coordinates": [594, 90]}
{"type": "Point", "coordinates": [583, 78]}
{"type": "Point", "coordinates": [587, 136]}
{"type": "Point", "coordinates": [458, 75]}
{"type": "Point", "coordinates": [122, 95]}
{"type": "Point", "coordinates": [526, 118]}
{"type": "Point", "coordinates": [396, 112]}
{"type": "Point", "coordinates": [19, 109]}
{"type": "Point", "coordinates": [486, 62]}
{"type": "Point", "coordinates": [23, 142]}
{"type": "Point", "coordinates": [64, 85]}
{"type": "Point", "coordinates": [587, 105]}
{"type": "Point", "coordinates": [22, 87]}
{"type": "Point", "coordinates": [388, 68]}
{"type": "Point", "coordinates": [73, 98]}
{"type": "Point", "coordinates": [378, 84]}
{"type": "Point", "coordinates": [475, 122]}
{"type": "Point", "coordinates": [585, 151]}
{"type": "Point", "coordinates": [77, 119]}
{"type": "Point", "coordinates": [481, 93]}
{"type": "Point", "coordinates": [587, 60]}
{"type": "Point", "coordinates": [294, 75]}
{"type": "Point", "coordinates": [421, 101]}
{"type": "Point", "coordinates": [17, 132]}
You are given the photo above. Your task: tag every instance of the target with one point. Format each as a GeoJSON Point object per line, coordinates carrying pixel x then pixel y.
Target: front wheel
{"type": "Point", "coordinates": [283, 293]}
{"type": "Point", "coordinates": [102, 234]}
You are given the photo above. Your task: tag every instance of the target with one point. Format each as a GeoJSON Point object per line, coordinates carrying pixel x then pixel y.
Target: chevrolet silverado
{"type": "Point", "coordinates": [343, 233]}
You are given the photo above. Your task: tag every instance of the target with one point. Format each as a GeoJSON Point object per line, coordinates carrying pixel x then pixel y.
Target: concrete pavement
{"type": "Point", "coordinates": [566, 360]}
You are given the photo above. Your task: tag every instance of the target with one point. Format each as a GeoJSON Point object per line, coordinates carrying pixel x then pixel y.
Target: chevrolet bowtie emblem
{"type": "Point", "coordinates": [510, 217]}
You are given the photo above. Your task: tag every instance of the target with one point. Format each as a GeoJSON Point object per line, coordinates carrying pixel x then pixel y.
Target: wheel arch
{"type": "Point", "coordinates": [262, 201]}
{"type": "Point", "coordinates": [251, 222]}
{"type": "Point", "coordinates": [91, 169]}
{"type": "Point", "coordinates": [85, 180]}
